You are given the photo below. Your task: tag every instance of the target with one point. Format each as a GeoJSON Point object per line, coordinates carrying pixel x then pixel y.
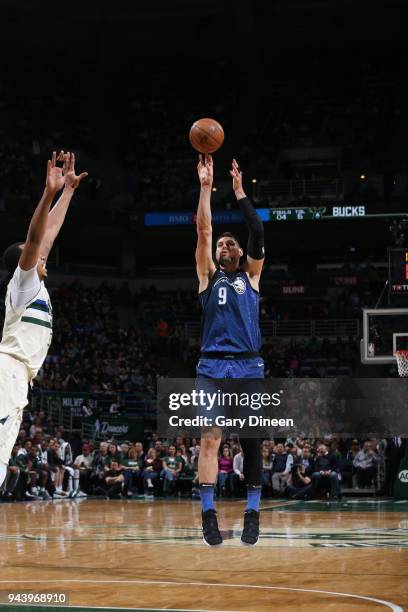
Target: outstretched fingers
{"type": "Point", "coordinates": [82, 176]}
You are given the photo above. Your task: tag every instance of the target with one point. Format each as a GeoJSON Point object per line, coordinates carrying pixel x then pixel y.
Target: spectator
{"type": "Point", "coordinates": [348, 471]}
{"type": "Point", "coordinates": [83, 463]}
{"type": "Point", "coordinates": [326, 471]}
{"type": "Point", "coordinates": [187, 476]}
{"type": "Point", "coordinates": [299, 481]}
{"type": "Point", "coordinates": [158, 445]}
{"type": "Point", "coordinates": [172, 465]}
{"type": "Point", "coordinates": [132, 465]}
{"type": "Point", "coordinates": [267, 463]}
{"type": "Point", "coordinates": [114, 480]}
{"type": "Point", "coordinates": [100, 465]}
{"type": "Point", "coordinates": [151, 471]}
{"type": "Point", "coordinates": [279, 469]}
{"type": "Point", "coordinates": [365, 464]}
{"type": "Point", "coordinates": [225, 471]}
{"type": "Point", "coordinates": [56, 464]}
{"type": "Point", "coordinates": [238, 478]}
{"type": "Point", "coordinates": [13, 475]}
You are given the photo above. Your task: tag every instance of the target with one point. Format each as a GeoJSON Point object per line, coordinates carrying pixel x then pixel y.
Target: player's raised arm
{"type": "Point", "coordinates": [57, 214]}
{"type": "Point", "coordinates": [255, 249]}
{"type": "Point", "coordinates": [36, 232]}
{"type": "Point", "coordinates": [204, 260]}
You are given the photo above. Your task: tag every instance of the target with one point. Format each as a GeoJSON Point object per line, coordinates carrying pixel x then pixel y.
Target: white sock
{"type": "Point", "coordinates": [3, 473]}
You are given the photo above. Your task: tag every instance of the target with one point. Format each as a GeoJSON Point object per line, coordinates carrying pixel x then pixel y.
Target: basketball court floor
{"type": "Point", "coordinates": [148, 555]}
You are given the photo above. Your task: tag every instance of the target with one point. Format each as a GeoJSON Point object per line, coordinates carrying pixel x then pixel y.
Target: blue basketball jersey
{"type": "Point", "coordinates": [230, 320]}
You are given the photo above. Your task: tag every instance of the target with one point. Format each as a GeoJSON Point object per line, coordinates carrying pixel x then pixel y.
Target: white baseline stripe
{"type": "Point", "coordinates": [388, 604]}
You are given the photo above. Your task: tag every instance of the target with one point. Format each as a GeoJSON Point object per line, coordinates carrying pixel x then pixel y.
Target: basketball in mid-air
{"type": "Point", "coordinates": [206, 135]}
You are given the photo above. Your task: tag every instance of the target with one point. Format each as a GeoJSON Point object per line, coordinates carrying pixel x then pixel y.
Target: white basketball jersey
{"type": "Point", "coordinates": [27, 331]}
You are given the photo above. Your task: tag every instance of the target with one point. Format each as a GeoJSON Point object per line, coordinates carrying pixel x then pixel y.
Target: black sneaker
{"type": "Point", "coordinates": [250, 533]}
{"type": "Point", "coordinates": [211, 533]}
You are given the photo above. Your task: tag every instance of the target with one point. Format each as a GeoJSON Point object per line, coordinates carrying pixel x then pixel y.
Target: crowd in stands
{"type": "Point", "coordinates": [360, 115]}
{"type": "Point", "coordinates": [47, 464]}
{"type": "Point", "coordinates": [90, 350]}
{"type": "Point", "coordinates": [93, 352]}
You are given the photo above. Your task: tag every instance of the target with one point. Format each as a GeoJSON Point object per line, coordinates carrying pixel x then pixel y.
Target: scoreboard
{"type": "Point", "coordinates": [398, 271]}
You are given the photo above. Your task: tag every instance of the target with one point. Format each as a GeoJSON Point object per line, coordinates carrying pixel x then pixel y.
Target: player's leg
{"type": "Point", "coordinates": [210, 444]}
{"type": "Point", "coordinates": [13, 398]}
{"type": "Point", "coordinates": [9, 428]}
{"type": "Point", "coordinates": [253, 477]}
{"type": "Point", "coordinates": [250, 371]}
{"type": "Point", "coordinates": [207, 475]}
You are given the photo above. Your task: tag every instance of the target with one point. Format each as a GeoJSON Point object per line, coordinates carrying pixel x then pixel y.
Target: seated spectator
{"type": "Point", "coordinates": [151, 470]}
{"type": "Point", "coordinates": [9, 486]}
{"type": "Point", "coordinates": [71, 475]}
{"type": "Point", "coordinates": [139, 449]}
{"type": "Point", "coordinates": [348, 472]}
{"type": "Point", "coordinates": [365, 464]}
{"type": "Point", "coordinates": [299, 481]}
{"type": "Point", "coordinates": [114, 454]}
{"type": "Point", "coordinates": [100, 465]}
{"type": "Point", "coordinates": [238, 478]}
{"type": "Point", "coordinates": [172, 465]}
{"type": "Point", "coordinates": [307, 460]}
{"type": "Point", "coordinates": [267, 462]}
{"type": "Point", "coordinates": [326, 472]}
{"type": "Point", "coordinates": [39, 473]}
{"type": "Point", "coordinates": [132, 465]}
{"type": "Point", "coordinates": [83, 463]}
{"type": "Point", "coordinates": [116, 408]}
{"type": "Point", "coordinates": [56, 465]}
{"type": "Point", "coordinates": [280, 472]}
{"type": "Point", "coordinates": [114, 480]}
{"type": "Point", "coordinates": [187, 476]}
{"type": "Point", "coordinates": [225, 471]}
{"type": "Point", "coordinates": [158, 445]}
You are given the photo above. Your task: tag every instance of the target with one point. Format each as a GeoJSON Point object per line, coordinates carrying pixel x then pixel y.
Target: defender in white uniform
{"type": "Point", "coordinates": [27, 330]}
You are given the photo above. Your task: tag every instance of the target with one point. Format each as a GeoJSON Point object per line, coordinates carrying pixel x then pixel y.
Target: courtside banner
{"type": "Point", "coordinates": [312, 407]}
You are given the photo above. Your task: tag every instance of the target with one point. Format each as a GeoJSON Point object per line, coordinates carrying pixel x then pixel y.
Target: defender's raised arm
{"type": "Point", "coordinates": [57, 214]}
{"type": "Point", "coordinates": [36, 231]}
{"type": "Point", "coordinates": [204, 260]}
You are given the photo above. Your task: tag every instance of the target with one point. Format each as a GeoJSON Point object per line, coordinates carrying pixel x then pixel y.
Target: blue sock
{"type": "Point", "coordinates": [254, 499]}
{"type": "Point", "coordinates": [207, 497]}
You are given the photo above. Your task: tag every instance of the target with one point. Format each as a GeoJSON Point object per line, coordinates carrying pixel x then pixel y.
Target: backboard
{"type": "Point", "coordinates": [385, 330]}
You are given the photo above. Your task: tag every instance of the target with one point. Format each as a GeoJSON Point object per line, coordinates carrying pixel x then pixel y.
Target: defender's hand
{"type": "Point", "coordinates": [72, 181]}
{"type": "Point", "coordinates": [55, 175]}
{"type": "Point", "coordinates": [205, 169]}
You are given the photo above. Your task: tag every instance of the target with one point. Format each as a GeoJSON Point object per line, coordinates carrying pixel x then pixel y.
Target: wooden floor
{"type": "Point", "coordinates": [149, 555]}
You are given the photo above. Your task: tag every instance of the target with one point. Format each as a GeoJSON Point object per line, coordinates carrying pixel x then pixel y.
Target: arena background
{"type": "Point", "coordinates": [312, 100]}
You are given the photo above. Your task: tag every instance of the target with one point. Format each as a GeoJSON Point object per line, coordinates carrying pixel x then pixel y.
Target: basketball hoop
{"type": "Point", "coordinates": [402, 362]}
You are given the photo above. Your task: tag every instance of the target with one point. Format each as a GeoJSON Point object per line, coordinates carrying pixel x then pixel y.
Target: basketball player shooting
{"type": "Point", "coordinates": [231, 338]}
{"type": "Point", "coordinates": [27, 330]}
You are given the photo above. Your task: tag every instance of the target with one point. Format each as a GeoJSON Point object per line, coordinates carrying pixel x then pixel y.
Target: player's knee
{"type": "Point", "coordinates": [209, 446]}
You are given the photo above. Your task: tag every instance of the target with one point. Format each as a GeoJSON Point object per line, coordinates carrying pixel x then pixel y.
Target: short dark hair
{"type": "Point", "coordinates": [228, 235]}
{"type": "Point", "coordinates": [11, 256]}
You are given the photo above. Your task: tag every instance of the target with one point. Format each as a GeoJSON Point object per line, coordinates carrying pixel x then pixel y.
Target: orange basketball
{"type": "Point", "coordinates": [206, 135]}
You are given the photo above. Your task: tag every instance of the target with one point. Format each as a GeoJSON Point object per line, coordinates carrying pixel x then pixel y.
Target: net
{"type": "Point", "coordinates": [402, 362]}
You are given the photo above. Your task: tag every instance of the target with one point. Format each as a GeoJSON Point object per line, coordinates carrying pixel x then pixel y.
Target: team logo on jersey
{"type": "Point", "coordinates": [239, 285]}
